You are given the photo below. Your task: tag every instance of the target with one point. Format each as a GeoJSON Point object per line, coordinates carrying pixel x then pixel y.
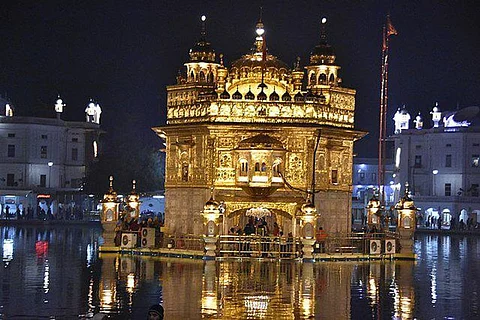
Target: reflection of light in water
{"type": "Point", "coordinates": [209, 303]}
{"type": "Point", "coordinates": [46, 277]}
{"type": "Point", "coordinates": [7, 250]}
{"type": "Point", "coordinates": [91, 306]}
{"type": "Point", "coordinates": [89, 254]}
{"type": "Point", "coordinates": [372, 290]}
{"type": "Point", "coordinates": [433, 281]}
{"type": "Point", "coordinates": [256, 305]}
{"type": "Point", "coordinates": [130, 282]}
{"type": "Point", "coordinates": [107, 298]}
{"type": "Point", "coordinates": [307, 305]}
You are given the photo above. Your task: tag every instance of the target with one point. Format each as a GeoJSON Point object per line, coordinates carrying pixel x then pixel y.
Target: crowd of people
{"type": "Point", "coordinates": [131, 224]}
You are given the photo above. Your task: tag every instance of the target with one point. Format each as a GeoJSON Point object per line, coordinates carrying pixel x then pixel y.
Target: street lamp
{"type": "Point", "coordinates": [374, 211]}
{"type": "Point", "coordinates": [50, 165]}
{"type": "Point", "coordinates": [435, 172]}
{"type": "Point", "coordinates": [211, 218]}
{"type": "Point", "coordinates": [406, 222]}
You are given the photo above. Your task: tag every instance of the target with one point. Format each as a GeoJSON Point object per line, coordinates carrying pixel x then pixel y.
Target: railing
{"type": "Point", "coordinates": [274, 247]}
{"type": "Point", "coordinates": [182, 242]}
{"type": "Point", "coordinates": [258, 246]}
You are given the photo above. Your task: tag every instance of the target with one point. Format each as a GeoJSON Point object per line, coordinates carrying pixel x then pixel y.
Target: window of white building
{"type": "Point", "coordinates": [448, 189]}
{"type": "Point", "coordinates": [448, 160]}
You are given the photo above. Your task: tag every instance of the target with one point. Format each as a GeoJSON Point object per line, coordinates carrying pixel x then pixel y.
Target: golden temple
{"type": "Point", "coordinates": [264, 136]}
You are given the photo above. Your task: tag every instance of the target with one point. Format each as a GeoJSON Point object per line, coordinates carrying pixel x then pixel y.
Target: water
{"type": "Point", "coordinates": [56, 273]}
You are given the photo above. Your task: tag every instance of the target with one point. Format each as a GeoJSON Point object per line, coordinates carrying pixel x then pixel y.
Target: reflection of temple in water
{"type": "Point", "coordinates": [258, 290]}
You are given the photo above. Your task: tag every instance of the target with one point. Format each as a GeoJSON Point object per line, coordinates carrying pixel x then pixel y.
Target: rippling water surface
{"type": "Point", "coordinates": [56, 273]}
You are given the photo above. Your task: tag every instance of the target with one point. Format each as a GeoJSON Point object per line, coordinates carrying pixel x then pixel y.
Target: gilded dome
{"type": "Point", "coordinates": [252, 61]}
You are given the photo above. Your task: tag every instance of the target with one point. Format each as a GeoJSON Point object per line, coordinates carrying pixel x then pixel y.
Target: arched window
{"type": "Point", "coordinates": [210, 77]}
{"type": "Point", "coordinates": [192, 76]}
{"type": "Point", "coordinates": [332, 78]}
{"type": "Point", "coordinates": [243, 168]}
{"type": "Point", "coordinates": [202, 76]}
{"type": "Point", "coordinates": [323, 78]}
{"type": "Point", "coordinates": [264, 167]}
{"type": "Point", "coordinates": [257, 166]}
{"type": "Point", "coordinates": [313, 79]}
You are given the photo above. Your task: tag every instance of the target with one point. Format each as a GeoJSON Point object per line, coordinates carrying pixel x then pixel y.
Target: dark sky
{"type": "Point", "coordinates": [124, 53]}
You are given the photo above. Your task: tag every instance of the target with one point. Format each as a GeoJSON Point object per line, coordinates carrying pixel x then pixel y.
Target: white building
{"type": "Point", "coordinates": [441, 165]}
{"type": "Point", "coordinates": [44, 160]}
{"type": "Point", "coordinates": [365, 183]}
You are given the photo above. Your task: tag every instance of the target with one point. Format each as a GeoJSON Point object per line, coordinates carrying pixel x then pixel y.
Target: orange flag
{"type": "Point", "coordinates": [389, 30]}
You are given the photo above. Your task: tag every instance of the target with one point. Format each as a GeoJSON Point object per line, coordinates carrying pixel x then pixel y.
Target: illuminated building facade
{"type": "Point", "coordinates": [441, 165]}
{"type": "Point", "coordinates": [250, 131]}
{"type": "Point", "coordinates": [365, 184]}
{"type": "Point", "coordinates": [44, 160]}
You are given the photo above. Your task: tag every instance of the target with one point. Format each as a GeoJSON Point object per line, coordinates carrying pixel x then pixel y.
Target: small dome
{"type": "Point", "coordinates": [211, 204]}
{"type": "Point", "coordinates": [299, 97]}
{"type": "Point", "coordinates": [262, 95]}
{"type": "Point", "coordinates": [286, 96]}
{"type": "Point", "coordinates": [237, 95]}
{"type": "Point", "coordinates": [274, 96]}
{"type": "Point", "coordinates": [249, 95]}
{"type": "Point", "coordinates": [224, 95]}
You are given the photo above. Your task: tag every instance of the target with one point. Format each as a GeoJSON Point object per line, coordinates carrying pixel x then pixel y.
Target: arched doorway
{"type": "Point", "coordinates": [431, 218]}
{"type": "Point", "coordinates": [257, 215]}
{"type": "Point", "coordinates": [446, 219]}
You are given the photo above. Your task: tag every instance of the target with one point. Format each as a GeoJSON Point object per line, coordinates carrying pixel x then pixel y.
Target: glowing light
{"type": "Point", "coordinates": [324, 20]}
{"type": "Point", "coordinates": [260, 31]}
{"type": "Point", "coordinates": [7, 250]}
{"type": "Point", "coordinates": [130, 282]}
{"type": "Point", "coordinates": [95, 149]}
{"type": "Point", "coordinates": [204, 18]}
{"type": "Point", "coordinates": [397, 157]}
{"type": "Point", "coordinates": [258, 212]}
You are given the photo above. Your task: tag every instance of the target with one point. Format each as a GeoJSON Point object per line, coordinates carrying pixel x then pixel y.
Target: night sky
{"type": "Point", "coordinates": [124, 53]}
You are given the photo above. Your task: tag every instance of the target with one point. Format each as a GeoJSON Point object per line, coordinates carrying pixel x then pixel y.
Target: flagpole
{"type": "Point", "coordinates": [388, 30]}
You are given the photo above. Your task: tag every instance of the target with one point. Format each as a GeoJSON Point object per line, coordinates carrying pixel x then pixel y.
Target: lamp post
{"type": "Point", "coordinates": [109, 216]}
{"type": "Point", "coordinates": [374, 213]}
{"type": "Point", "coordinates": [50, 165]}
{"type": "Point", "coordinates": [211, 217]}
{"type": "Point", "coordinates": [308, 218]}
{"type": "Point", "coordinates": [406, 222]}
{"type": "Point", "coordinates": [434, 172]}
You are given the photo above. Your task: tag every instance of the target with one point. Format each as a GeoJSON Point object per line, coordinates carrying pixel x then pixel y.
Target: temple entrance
{"type": "Point", "coordinates": [259, 231]}
{"type": "Point", "coordinates": [259, 221]}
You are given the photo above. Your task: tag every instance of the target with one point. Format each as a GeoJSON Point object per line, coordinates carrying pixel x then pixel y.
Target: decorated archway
{"type": "Point", "coordinates": [239, 214]}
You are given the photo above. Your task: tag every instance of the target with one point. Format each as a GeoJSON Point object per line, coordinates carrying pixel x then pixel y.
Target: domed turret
{"type": "Point", "coordinates": [259, 63]}
{"type": "Point", "coordinates": [202, 67]}
{"type": "Point", "coordinates": [323, 53]}
{"type": "Point", "coordinates": [402, 119]}
{"type": "Point", "coordinates": [202, 50]}
{"type": "Point", "coordinates": [322, 71]}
